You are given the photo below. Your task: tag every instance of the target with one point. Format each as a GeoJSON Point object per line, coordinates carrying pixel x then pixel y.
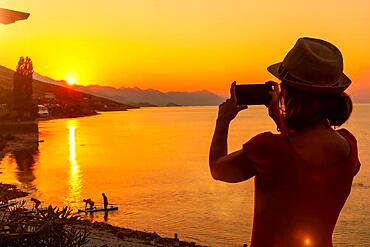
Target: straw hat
{"type": "Point", "coordinates": [313, 65]}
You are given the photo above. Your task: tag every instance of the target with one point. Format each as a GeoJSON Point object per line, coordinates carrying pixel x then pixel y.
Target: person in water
{"type": "Point", "coordinates": [105, 201]}
{"type": "Point", "coordinates": [36, 202]}
{"type": "Point", "coordinates": [4, 199]}
{"type": "Point", "coordinates": [303, 174]}
{"type": "Point", "coordinates": [89, 202]}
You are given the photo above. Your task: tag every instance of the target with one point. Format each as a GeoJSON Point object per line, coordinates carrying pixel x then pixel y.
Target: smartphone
{"type": "Point", "coordinates": [253, 94]}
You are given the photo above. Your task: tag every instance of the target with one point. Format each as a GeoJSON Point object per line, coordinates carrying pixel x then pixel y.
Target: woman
{"type": "Point", "coordinates": [303, 175]}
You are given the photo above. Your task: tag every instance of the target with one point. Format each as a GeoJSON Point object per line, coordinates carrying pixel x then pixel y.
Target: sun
{"type": "Point", "coordinates": [71, 81]}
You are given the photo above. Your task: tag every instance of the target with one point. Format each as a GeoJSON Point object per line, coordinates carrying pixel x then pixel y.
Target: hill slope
{"type": "Point", "coordinates": [63, 95]}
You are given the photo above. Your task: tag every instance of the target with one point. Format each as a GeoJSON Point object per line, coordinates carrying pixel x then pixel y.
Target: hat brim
{"type": "Point", "coordinates": [343, 83]}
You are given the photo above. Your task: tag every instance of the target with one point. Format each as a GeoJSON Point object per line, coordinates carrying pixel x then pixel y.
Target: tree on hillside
{"type": "Point", "coordinates": [23, 105]}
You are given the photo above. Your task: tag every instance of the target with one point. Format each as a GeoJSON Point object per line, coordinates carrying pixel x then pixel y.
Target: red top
{"type": "Point", "coordinates": [296, 204]}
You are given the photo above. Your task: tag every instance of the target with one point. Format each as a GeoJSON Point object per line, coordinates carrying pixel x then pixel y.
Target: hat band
{"type": "Point", "coordinates": [284, 73]}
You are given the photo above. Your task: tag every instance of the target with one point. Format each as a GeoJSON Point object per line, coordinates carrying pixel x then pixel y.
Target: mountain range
{"type": "Point", "coordinates": [143, 97]}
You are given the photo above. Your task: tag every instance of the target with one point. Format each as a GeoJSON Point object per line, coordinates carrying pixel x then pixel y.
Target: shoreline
{"type": "Point", "coordinates": [103, 234]}
{"type": "Point", "coordinates": [107, 234]}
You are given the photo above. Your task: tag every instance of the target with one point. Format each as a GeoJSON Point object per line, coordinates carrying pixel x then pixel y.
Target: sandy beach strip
{"type": "Point", "coordinates": [103, 234]}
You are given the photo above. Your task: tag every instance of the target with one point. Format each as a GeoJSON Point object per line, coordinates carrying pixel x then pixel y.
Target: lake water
{"type": "Point", "coordinates": [153, 163]}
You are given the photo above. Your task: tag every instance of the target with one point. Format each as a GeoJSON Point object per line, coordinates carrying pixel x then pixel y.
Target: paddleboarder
{"type": "Point", "coordinates": [36, 202]}
{"type": "Point", "coordinates": [90, 202]}
{"type": "Point", "coordinates": [105, 199]}
{"type": "Point", "coordinates": [4, 199]}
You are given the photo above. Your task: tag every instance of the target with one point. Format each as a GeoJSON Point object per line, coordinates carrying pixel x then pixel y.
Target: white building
{"type": "Point", "coordinates": [43, 111]}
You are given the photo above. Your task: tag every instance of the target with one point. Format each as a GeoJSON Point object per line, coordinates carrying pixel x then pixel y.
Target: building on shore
{"type": "Point", "coordinates": [50, 96]}
{"type": "Point", "coordinates": [43, 111]}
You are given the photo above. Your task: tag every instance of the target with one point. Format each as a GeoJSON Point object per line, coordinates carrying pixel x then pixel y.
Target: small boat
{"type": "Point", "coordinates": [8, 204]}
{"type": "Point", "coordinates": [110, 208]}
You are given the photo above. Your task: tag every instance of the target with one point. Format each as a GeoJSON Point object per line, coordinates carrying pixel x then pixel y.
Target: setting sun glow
{"type": "Point", "coordinates": [71, 81]}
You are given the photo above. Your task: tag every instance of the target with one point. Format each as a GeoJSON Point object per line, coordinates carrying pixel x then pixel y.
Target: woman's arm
{"type": "Point", "coordinates": [227, 167]}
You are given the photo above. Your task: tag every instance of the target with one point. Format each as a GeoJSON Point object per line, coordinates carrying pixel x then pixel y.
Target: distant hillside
{"type": "Point", "coordinates": [149, 97]}
{"type": "Point", "coordinates": [64, 96]}
{"type": "Point", "coordinates": [136, 95]}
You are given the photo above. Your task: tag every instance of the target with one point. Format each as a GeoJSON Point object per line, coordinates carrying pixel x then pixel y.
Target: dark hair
{"type": "Point", "coordinates": [302, 110]}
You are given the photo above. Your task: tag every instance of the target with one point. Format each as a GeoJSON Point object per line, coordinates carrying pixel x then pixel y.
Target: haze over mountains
{"type": "Point", "coordinates": [150, 97]}
{"type": "Point", "coordinates": [144, 97]}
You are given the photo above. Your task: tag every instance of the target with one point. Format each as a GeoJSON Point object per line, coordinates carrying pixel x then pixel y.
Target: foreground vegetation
{"type": "Point", "coordinates": [47, 227]}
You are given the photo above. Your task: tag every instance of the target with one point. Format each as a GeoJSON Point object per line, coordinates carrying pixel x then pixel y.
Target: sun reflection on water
{"type": "Point", "coordinates": [74, 181]}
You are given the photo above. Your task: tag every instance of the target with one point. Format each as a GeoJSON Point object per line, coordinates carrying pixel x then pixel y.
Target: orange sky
{"type": "Point", "coordinates": [180, 45]}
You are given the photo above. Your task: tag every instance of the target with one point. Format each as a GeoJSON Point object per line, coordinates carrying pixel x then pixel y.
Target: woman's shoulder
{"type": "Point", "coordinates": [264, 140]}
{"type": "Point", "coordinates": [268, 136]}
{"type": "Point", "coordinates": [353, 156]}
{"type": "Point", "coordinates": [265, 150]}
{"type": "Point", "coordinates": [347, 134]}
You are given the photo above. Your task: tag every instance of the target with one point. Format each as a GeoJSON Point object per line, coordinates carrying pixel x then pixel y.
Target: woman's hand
{"type": "Point", "coordinates": [228, 110]}
{"type": "Point", "coordinates": [273, 106]}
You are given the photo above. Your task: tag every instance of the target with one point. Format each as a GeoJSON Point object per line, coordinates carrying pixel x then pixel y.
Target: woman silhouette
{"type": "Point", "coordinates": [303, 175]}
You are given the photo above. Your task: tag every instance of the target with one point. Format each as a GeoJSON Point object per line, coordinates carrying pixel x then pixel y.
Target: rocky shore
{"type": "Point", "coordinates": [10, 192]}
{"type": "Point", "coordinates": [107, 235]}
